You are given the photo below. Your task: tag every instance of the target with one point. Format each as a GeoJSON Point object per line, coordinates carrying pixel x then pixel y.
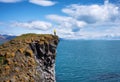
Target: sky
{"type": "Point", "coordinates": [72, 19]}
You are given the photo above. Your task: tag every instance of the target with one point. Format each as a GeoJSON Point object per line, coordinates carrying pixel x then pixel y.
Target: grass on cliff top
{"type": "Point", "coordinates": [35, 36]}
{"type": "Point", "coordinates": [21, 42]}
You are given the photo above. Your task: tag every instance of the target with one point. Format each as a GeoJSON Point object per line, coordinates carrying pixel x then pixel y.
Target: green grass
{"type": "Point", "coordinates": [1, 60]}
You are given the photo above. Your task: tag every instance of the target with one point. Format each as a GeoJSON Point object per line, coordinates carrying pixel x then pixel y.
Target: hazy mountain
{"type": "Point", "coordinates": [6, 37]}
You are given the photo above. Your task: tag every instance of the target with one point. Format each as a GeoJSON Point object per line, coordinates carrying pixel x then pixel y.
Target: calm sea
{"type": "Point", "coordinates": [88, 61]}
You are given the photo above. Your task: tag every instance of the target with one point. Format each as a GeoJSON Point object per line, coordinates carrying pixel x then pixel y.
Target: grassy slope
{"type": "Point", "coordinates": [9, 59]}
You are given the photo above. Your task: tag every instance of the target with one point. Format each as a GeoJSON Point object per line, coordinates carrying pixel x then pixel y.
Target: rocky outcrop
{"type": "Point", "coordinates": [29, 58]}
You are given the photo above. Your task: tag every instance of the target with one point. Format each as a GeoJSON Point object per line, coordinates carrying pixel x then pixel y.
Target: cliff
{"type": "Point", "coordinates": [29, 58]}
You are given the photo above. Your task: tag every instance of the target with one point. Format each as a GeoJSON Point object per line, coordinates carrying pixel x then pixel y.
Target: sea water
{"type": "Point", "coordinates": [88, 61]}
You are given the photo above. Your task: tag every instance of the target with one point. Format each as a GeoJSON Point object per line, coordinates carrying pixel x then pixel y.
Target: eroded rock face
{"type": "Point", "coordinates": [45, 57]}
{"type": "Point", "coordinates": [29, 58]}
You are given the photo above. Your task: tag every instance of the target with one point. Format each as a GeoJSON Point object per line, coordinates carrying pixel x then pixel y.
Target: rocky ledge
{"type": "Point", "coordinates": [29, 58]}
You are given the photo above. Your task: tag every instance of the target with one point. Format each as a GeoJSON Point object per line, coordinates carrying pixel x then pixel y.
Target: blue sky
{"type": "Point", "coordinates": [73, 19]}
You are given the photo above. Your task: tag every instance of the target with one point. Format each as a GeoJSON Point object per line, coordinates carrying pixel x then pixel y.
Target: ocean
{"type": "Point", "coordinates": [88, 61]}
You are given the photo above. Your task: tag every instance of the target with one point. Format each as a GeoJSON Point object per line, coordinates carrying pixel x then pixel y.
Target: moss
{"type": "Point", "coordinates": [41, 42]}
{"type": "Point", "coordinates": [12, 54]}
{"type": "Point", "coordinates": [7, 67]}
{"type": "Point", "coordinates": [28, 53]}
{"type": "Point", "coordinates": [21, 50]}
{"type": "Point", "coordinates": [8, 55]}
{"type": "Point", "coordinates": [1, 60]}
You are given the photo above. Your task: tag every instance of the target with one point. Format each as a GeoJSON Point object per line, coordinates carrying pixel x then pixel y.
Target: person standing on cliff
{"type": "Point", "coordinates": [54, 32]}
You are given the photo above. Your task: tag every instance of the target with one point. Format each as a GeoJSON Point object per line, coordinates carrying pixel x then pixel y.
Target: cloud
{"type": "Point", "coordinates": [38, 2]}
{"type": "Point", "coordinates": [93, 13]}
{"type": "Point", "coordinates": [43, 2]}
{"type": "Point", "coordinates": [65, 22]}
{"type": "Point", "coordinates": [87, 21]}
{"type": "Point", "coordinates": [38, 25]}
{"type": "Point", "coordinates": [10, 1]}
{"type": "Point", "coordinates": [80, 21]}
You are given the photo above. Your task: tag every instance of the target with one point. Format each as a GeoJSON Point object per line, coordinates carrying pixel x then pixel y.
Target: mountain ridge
{"type": "Point", "coordinates": [6, 37]}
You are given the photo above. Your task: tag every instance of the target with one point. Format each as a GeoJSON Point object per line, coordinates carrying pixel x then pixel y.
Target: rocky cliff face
{"type": "Point", "coordinates": [28, 58]}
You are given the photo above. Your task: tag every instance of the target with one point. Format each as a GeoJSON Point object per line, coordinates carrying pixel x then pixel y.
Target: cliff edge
{"type": "Point", "coordinates": [29, 58]}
